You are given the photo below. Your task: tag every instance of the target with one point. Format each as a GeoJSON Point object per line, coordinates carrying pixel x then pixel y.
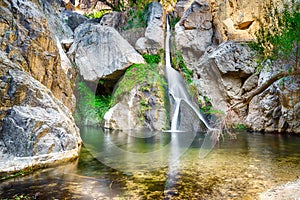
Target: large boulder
{"type": "Point", "coordinates": [100, 52]}
{"type": "Point", "coordinates": [140, 101]}
{"type": "Point", "coordinates": [30, 34]}
{"type": "Point", "coordinates": [221, 73]}
{"type": "Point", "coordinates": [36, 129]}
{"type": "Point", "coordinates": [194, 32]}
{"type": "Point", "coordinates": [154, 34]}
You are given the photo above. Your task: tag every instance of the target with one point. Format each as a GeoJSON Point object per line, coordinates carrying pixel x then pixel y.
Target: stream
{"type": "Point", "coordinates": [160, 165]}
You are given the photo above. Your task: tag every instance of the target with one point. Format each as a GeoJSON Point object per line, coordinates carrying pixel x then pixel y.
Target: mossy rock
{"type": "Point", "coordinates": [140, 100]}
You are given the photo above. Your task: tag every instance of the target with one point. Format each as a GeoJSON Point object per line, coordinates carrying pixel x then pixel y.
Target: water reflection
{"type": "Point", "coordinates": [155, 165]}
{"type": "Point", "coordinates": [136, 150]}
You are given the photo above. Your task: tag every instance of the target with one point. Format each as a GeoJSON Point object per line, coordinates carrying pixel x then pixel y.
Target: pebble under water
{"type": "Point", "coordinates": [158, 165]}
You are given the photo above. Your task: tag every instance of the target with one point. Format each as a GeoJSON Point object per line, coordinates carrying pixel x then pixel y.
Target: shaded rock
{"type": "Point", "coordinates": [154, 34]}
{"type": "Point", "coordinates": [73, 19]}
{"type": "Point", "coordinates": [194, 32]}
{"type": "Point", "coordinates": [277, 108]}
{"type": "Point", "coordinates": [119, 20]}
{"type": "Point", "coordinates": [101, 52]}
{"type": "Point", "coordinates": [140, 101]}
{"type": "Point", "coordinates": [35, 128]}
{"type": "Point", "coordinates": [114, 19]}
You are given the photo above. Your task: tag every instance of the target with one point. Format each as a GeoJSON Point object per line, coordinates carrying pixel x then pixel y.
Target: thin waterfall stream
{"type": "Point", "coordinates": [177, 88]}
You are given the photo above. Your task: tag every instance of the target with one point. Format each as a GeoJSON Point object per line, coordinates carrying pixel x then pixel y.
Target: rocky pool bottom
{"type": "Point", "coordinates": [157, 165]}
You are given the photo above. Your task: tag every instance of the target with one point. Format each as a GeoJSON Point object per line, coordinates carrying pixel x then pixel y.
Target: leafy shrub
{"type": "Point", "coordinates": [98, 14]}
{"type": "Point", "coordinates": [152, 59]}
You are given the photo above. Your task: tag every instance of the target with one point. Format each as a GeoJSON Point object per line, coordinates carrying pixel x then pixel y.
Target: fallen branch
{"type": "Point", "coordinates": [246, 99]}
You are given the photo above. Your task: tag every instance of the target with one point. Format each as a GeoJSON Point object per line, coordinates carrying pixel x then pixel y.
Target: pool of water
{"type": "Point", "coordinates": [162, 165]}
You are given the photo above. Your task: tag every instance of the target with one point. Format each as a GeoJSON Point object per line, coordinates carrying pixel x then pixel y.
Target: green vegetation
{"type": "Point", "coordinates": [206, 107]}
{"type": "Point", "coordinates": [277, 43]}
{"type": "Point", "coordinates": [279, 39]}
{"type": "Point", "coordinates": [178, 63]}
{"type": "Point", "coordinates": [89, 104]}
{"type": "Point", "coordinates": [240, 126]}
{"type": "Point", "coordinates": [139, 74]}
{"type": "Point", "coordinates": [174, 21]}
{"type": "Point", "coordinates": [23, 172]}
{"type": "Point", "coordinates": [147, 83]}
{"type": "Point", "coordinates": [137, 15]}
{"type": "Point", "coordinates": [98, 14]}
{"type": "Point", "coordinates": [152, 59]}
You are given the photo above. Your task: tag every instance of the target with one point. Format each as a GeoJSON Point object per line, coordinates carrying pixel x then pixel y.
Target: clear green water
{"type": "Point", "coordinates": [156, 165]}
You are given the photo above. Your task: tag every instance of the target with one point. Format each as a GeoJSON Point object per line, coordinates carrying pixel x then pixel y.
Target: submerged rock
{"type": "Point", "coordinates": [100, 52]}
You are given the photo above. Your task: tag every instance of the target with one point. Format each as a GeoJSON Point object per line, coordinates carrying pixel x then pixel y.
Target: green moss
{"type": "Point", "coordinates": [89, 104]}
{"type": "Point", "coordinates": [139, 74]}
{"type": "Point", "coordinates": [178, 63]}
{"type": "Point", "coordinates": [137, 16]}
{"type": "Point", "coordinates": [23, 172]}
{"type": "Point", "coordinates": [148, 83]}
{"type": "Point", "coordinates": [152, 59]}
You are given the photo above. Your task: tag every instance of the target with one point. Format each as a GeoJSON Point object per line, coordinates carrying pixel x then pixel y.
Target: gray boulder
{"type": "Point", "coordinates": [221, 72]}
{"type": "Point", "coordinates": [36, 129]}
{"type": "Point", "coordinates": [140, 101]}
{"type": "Point", "coordinates": [101, 52]}
{"type": "Point", "coordinates": [194, 32]}
{"type": "Point", "coordinates": [154, 34]}
{"type": "Point", "coordinates": [73, 19]}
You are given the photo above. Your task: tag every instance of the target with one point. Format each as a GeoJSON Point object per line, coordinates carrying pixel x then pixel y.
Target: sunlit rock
{"type": "Point", "coordinates": [193, 33]}
{"type": "Point", "coordinates": [278, 107]}
{"type": "Point", "coordinates": [36, 129]}
{"type": "Point", "coordinates": [29, 37]}
{"type": "Point", "coordinates": [140, 101]}
{"type": "Point", "coordinates": [100, 51]}
{"type": "Point", "coordinates": [154, 34]}
{"type": "Point", "coordinates": [221, 73]}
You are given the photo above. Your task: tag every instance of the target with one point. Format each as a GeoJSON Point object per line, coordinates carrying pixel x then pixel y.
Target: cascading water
{"type": "Point", "coordinates": [177, 89]}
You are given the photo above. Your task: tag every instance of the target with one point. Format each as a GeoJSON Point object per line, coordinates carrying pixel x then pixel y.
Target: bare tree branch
{"type": "Point", "coordinates": [246, 99]}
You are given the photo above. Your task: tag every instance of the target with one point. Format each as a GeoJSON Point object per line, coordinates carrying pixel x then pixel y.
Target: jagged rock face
{"type": "Point", "coordinates": [154, 34]}
{"type": "Point", "coordinates": [194, 32]}
{"type": "Point", "coordinates": [277, 108]}
{"type": "Point", "coordinates": [232, 20]}
{"type": "Point", "coordinates": [141, 101]}
{"type": "Point", "coordinates": [101, 52]}
{"type": "Point", "coordinates": [236, 20]}
{"type": "Point", "coordinates": [221, 73]}
{"type": "Point", "coordinates": [36, 128]}
{"type": "Point", "coordinates": [27, 38]}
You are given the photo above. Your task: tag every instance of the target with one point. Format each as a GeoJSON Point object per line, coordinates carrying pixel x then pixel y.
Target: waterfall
{"type": "Point", "coordinates": [177, 88]}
